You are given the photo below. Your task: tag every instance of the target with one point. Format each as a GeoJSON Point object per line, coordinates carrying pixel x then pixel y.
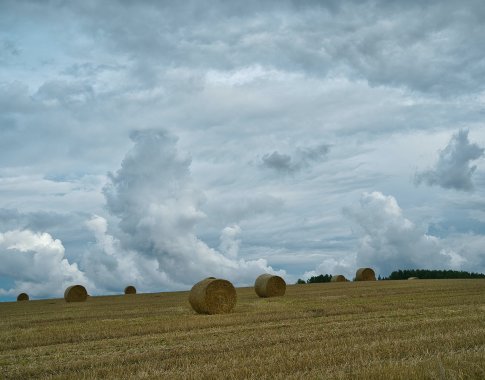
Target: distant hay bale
{"type": "Point", "coordinates": [338, 278]}
{"type": "Point", "coordinates": [213, 296]}
{"type": "Point", "coordinates": [130, 289]}
{"type": "Point", "coordinates": [268, 285]}
{"type": "Point", "coordinates": [75, 293]}
{"type": "Point", "coordinates": [23, 297]}
{"type": "Point", "coordinates": [365, 274]}
{"type": "Point", "coordinates": [413, 278]}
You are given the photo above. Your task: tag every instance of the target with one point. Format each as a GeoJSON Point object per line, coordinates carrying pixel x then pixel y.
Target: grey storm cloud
{"type": "Point", "coordinates": [65, 92]}
{"type": "Point", "coordinates": [8, 49]}
{"type": "Point", "coordinates": [88, 69]}
{"type": "Point", "coordinates": [391, 43]}
{"type": "Point", "coordinates": [279, 162]}
{"type": "Point", "coordinates": [383, 42]}
{"type": "Point", "coordinates": [302, 158]}
{"type": "Point", "coordinates": [12, 219]}
{"type": "Point", "coordinates": [453, 170]}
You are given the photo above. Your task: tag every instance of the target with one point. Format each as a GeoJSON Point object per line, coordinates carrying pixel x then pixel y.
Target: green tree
{"type": "Point", "coordinates": [319, 278]}
{"type": "Point", "coordinates": [431, 274]}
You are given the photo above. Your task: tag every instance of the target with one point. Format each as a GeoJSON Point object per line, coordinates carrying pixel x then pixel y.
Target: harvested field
{"type": "Point", "coordinates": [383, 330]}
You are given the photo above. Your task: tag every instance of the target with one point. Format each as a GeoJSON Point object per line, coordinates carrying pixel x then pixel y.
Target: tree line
{"type": "Point", "coordinates": [404, 274]}
{"type": "Point", "coordinates": [315, 279]}
{"type": "Point", "coordinates": [431, 274]}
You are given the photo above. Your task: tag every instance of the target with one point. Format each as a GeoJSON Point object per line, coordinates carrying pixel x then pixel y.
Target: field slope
{"type": "Point", "coordinates": [381, 330]}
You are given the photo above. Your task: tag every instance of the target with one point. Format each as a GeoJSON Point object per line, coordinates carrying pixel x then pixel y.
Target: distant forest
{"type": "Point", "coordinates": [315, 279]}
{"type": "Point", "coordinates": [405, 274]}
{"type": "Point", "coordinates": [431, 274]}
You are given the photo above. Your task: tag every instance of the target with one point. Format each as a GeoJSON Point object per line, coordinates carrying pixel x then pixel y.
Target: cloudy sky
{"type": "Point", "coordinates": [156, 143]}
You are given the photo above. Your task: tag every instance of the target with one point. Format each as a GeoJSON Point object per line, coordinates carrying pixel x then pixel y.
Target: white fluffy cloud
{"type": "Point", "coordinates": [344, 265]}
{"type": "Point", "coordinates": [229, 242]}
{"type": "Point", "coordinates": [112, 267]}
{"type": "Point", "coordinates": [389, 241]}
{"type": "Point", "coordinates": [158, 208]}
{"type": "Point", "coordinates": [37, 264]}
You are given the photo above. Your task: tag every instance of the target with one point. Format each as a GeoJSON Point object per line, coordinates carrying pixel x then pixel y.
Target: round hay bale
{"type": "Point", "coordinates": [213, 296]}
{"type": "Point", "coordinates": [130, 289]}
{"type": "Point", "coordinates": [365, 274]}
{"type": "Point", "coordinates": [268, 285]}
{"type": "Point", "coordinates": [75, 293]}
{"type": "Point", "coordinates": [338, 278]}
{"type": "Point", "coordinates": [413, 278]}
{"type": "Point", "coordinates": [23, 297]}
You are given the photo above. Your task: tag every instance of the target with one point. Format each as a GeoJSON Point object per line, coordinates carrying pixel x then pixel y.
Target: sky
{"type": "Point", "coordinates": [155, 143]}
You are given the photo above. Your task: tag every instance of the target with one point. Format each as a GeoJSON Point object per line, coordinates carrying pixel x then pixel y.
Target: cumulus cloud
{"type": "Point", "coordinates": [390, 241]}
{"type": "Point", "coordinates": [469, 245]}
{"type": "Point", "coordinates": [453, 170]}
{"type": "Point", "coordinates": [344, 265]}
{"type": "Point", "coordinates": [37, 264]}
{"type": "Point", "coordinates": [302, 158]}
{"type": "Point", "coordinates": [158, 208]}
{"type": "Point", "coordinates": [112, 267]}
{"type": "Point", "coordinates": [229, 242]}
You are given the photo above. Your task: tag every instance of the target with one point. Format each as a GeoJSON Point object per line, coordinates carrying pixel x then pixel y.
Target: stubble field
{"type": "Point", "coordinates": [433, 329]}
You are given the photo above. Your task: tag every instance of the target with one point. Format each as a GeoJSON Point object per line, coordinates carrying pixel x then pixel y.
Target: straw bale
{"type": "Point", "coordinates": [365, 274]}
{"type": "Point", "coordinates": [23, 297]}
{"type": "Point", "coordinates": [75, 293]}
{"type": "Point", "coordinates": [413, 278]}
{"type": "Point", "coordinates": [338, 278]}
{"type": "Point", "coordinates": [130, 289]}
{"type": "Point", "coordinates": [268, 285]}
{"type": "Point", "coordinates": [213, 296]}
